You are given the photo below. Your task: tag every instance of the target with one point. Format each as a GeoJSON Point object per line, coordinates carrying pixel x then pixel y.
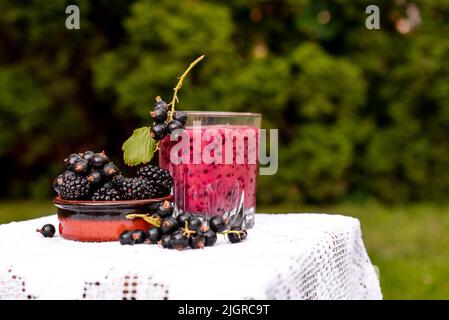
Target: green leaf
{"type": "Point", "coordinates": [139, 148]}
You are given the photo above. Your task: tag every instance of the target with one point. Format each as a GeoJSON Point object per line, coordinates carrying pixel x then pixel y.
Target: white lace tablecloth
{"type": "Point", "coordinates": [286, 256]}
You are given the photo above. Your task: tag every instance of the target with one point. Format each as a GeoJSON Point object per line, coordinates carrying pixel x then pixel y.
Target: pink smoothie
{"type": "Point", "coordinates": [209, 187]}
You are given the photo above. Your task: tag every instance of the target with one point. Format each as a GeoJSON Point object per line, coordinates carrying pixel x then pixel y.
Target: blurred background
{"type": "Point", "coordinates": [363, 114]}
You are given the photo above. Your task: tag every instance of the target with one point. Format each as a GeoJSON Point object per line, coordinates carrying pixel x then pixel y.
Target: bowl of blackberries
{"type": "Point", "coordinates": [97, 203]}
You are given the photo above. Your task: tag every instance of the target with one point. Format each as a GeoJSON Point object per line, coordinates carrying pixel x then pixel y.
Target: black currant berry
{"type": "Point", "coordinates": [217, 223]}
{"type": "Point", "coordinates": [57, 183]}
{"type": "Point", "coordinates": [158, 131]}
{"type": "Point", "coordinates": [169, 225]}
{"type": "Point", "coordinates": [126, 238]}
{"type": "Point", "coordinates": [182, 218]}
{"type": "Point", "coordinates": [179, 241]}
{"type": "Point", "coordinates": [237, 234]}
{"type": "Point", "coordinates": [81, 167]}
{"type": "Point", "coordinates": [159, 115]}
{"type": "Point", "coordinates": [48, 231]}
{"type": "Point", "coordinates": [166, 241]}
{"type": "Point", "coordinates": [154, 234]}
{"type": "Point", "coordinates": [94, 178]}
{"type": "Point", "coordinates": [160, 104]}
{"type": "Point", "coordinates": [99, 160]}
{"type": "Point", "coordinates": [71, 160]}
{"type": "Point", "coordinates": [210, 237]}
{"type": "Point", "coordinates": [197, 241]}
{"type": "Point", "coordinates": [172, 126]}
{"type": "Point", "coordinates": [138, 236]}
{"type": "Point", "coordinates": [180, 116]}
{"type": "Point", "coordinates": [88, 155]}
{"type": "Point", "coordinates": [110, 170]}
{"type": "Point", "coordinates": [165, 210]}
{"type": "Point", "coordinates": [194, 224]}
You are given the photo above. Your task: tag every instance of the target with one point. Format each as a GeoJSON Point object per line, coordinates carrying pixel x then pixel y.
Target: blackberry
{"type": "Point", "coordinates": [180, 116]}
{"type": "Point", "coordinates": [75, 187]}
{"type": "Point", "coordinates": [135, 188]}
{"type": "Point", "coordinates": [71, 160]}
{"type": "Point", "coordinates": [158, 131]}
{"type": "Point", "coordinates": [157, 176]}
{"type": "Point", "coordinates": [159, 115]}
{"type": "Point", "coordinates": [106, 193]}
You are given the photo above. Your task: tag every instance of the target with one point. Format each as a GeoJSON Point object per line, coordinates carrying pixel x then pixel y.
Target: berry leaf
{"type": "Point", "coordinates": [139, 148]}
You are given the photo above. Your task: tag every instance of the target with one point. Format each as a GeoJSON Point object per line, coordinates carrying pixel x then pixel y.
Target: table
{"type": "Point", "coordinates": [286, 256]}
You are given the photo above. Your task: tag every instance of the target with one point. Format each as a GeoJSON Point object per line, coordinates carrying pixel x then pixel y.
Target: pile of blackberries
{"type": "Point", "coordinates": [92, 176]}
{"type": "Point", "coordinates": [160, 127]}
{"type": "Point", "coordinates": [183, 231]}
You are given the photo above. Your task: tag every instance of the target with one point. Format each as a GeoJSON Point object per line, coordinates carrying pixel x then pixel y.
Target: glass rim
{"type": "Point", "coordinates": [223, 113]}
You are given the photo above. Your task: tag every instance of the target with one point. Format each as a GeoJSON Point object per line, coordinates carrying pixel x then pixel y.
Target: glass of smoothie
{"type": "Point", "coordinates": [214, 164]}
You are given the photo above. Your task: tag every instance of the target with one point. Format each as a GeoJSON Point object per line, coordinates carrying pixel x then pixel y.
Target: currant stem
{"type": "Point", "coordinates": [179, 85]}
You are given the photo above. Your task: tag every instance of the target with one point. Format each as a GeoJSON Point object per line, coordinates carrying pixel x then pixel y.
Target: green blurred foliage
{"type": "Point", "coordinates": [362, 113]}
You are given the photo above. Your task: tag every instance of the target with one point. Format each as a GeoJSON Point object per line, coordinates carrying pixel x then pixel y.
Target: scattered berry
{"type": "Point", "coordinates": [182, 218]}
{"type": "Point", "coordinates": [154, 235]}
{"type": "Point", "coordinates": [179, 241]}
{"type": "Point", "coordinates": [197, 241]}
{"type": "Point", "coordinates": [48, 231]}
{"type": "Point", "coordinates": [210, 237]}
{"type": "Point", "coordinates": [138, 236]}
{"type": "Point", "coordinates": [165, 210]}
{"type": "Point", "coordinates": [166, 241]}
{"type": "Point", "coordinates": [126, 238]}
{"type": "Point", "coordinates": [169, 225]}
{"type": "Point", "coordinates": [236, 234]}
{"type": "Point", "coordinates": [194, 224]}
{"type": "Point", "coordinates": [217, 223]}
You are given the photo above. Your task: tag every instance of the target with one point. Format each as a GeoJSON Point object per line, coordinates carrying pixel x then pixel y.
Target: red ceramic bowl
{"type": "Point", "coordinates": [102, 220]}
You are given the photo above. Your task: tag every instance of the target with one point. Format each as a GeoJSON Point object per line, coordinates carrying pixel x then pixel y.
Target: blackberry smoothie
{"type": "Point", "coordinates": [218, 175]}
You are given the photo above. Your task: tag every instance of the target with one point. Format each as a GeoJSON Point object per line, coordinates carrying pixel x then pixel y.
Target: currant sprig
{"type": "Point", "coordinates": [145, 141]}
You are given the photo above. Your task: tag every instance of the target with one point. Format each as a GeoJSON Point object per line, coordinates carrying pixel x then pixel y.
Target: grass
{"type": "Point", "coordinates": [408, 243]}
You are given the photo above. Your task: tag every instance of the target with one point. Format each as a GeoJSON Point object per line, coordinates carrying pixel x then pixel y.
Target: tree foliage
{"type": "Point", "coordinates": [362, 113]}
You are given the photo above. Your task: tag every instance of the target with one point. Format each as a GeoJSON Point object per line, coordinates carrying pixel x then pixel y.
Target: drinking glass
{"type": "Point", "coordinates": [214, 164]}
